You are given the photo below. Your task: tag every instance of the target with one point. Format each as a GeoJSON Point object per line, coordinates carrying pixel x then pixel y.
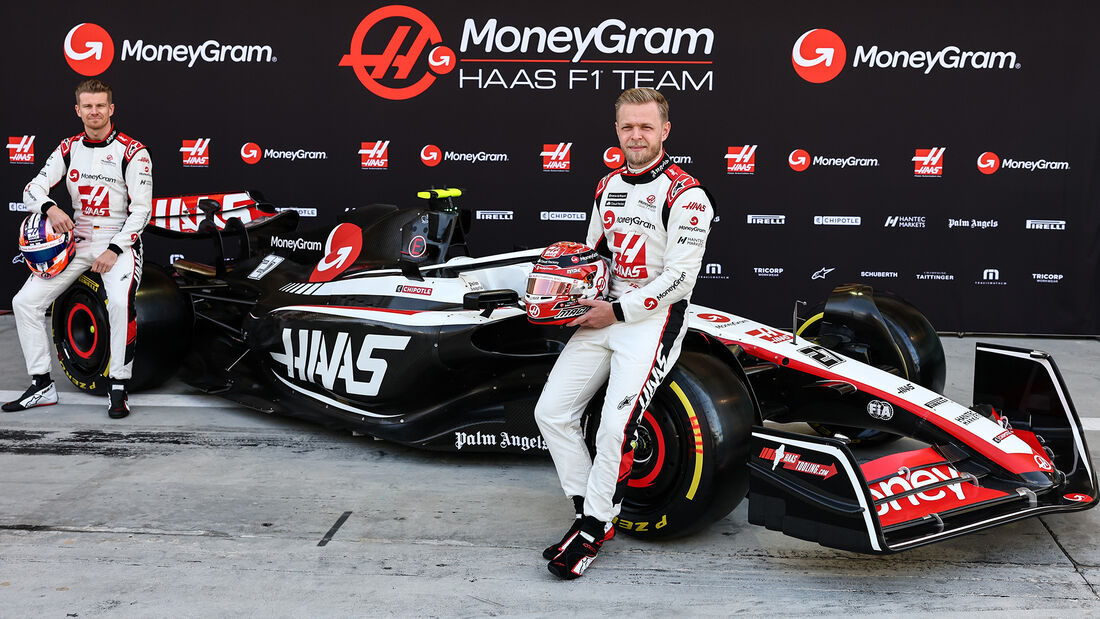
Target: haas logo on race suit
{"type": "Point", "coordinates": [629, 248]}
{"type": "Point", "coordinates": [314, 356]}
{"type": "Point", "coordinates": [342, 248]}
{"type": "Point", "coordinates": [95, 200]}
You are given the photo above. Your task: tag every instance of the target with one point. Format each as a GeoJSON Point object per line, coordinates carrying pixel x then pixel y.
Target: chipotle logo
{"type": "Point", "coordinates": [397, 52]}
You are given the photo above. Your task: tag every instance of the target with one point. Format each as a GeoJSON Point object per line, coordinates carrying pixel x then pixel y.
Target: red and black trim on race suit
{"type": "Point", "coordinates": [131, 302]}
{"type": "Point", "coordinates": [649, 174]}
{"type": "Point", "coordinates": [674, 326]}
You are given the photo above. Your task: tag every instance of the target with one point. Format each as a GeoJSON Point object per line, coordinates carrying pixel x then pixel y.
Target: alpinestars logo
{"type": "Point", "coordinates": [818, 55]}
{"type": "Point", "coordinates": [374, 155]}
{"type": "Point", "coordinates": [928, 162]}
{"type": "Point", "coordinates": [555, 157]}
{"type": "Point", "coordinates": [21, 149]}
{"type": "Point", "coordinates": [741, 159]}
{"type": "Point", "coordinates": [196, 153]}
{"type": "Point", "coordinates": [417, 62]}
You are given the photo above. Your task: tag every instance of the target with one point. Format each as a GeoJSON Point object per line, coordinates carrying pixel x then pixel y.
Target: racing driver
{"type": "Point", "coordinates": [652, 219]}
{"type": "Point", "coordinates": [109, 178]}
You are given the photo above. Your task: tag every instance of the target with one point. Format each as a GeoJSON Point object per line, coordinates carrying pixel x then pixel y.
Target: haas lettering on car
{"type": "Point", "coordinates": [338, 361]}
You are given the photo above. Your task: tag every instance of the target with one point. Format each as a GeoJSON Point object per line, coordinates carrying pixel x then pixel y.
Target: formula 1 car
{"type": "Point", "coordinates": [394, 331]}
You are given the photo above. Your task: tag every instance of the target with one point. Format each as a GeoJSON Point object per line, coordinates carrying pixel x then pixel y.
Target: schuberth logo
{"type": "Point", "coordinates": [374, 155]}
{"type": "Point", "coordinates": [21, 149]}
{"type": "Point", "coordinates": [818, 55]}
{"type": "Point", "coordinates": [196, 153]}
{"type": "Point", "coordinates": [741, 159]}
{"type": "Point", "coordinates": [555, 157]}
{"type": "Point", "coordinates": [405, 84]}
{"type": "Point", "coordinates": [89, 50]}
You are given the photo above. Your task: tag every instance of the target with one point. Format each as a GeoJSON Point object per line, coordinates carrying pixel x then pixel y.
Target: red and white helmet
{"type": "Point", "coordinates": [46, 252]}
{"type": "Point", "coordinates": [565, 272]}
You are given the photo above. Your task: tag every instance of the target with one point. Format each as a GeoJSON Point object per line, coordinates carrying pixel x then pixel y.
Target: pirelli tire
{"type": "Point", "coordinates": [691, 452]}
{"type": "Point", "coordinates": [81, 331]}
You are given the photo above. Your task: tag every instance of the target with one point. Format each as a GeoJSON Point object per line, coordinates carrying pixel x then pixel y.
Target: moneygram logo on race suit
{"type": "Point", "coordinates": [426, 43]}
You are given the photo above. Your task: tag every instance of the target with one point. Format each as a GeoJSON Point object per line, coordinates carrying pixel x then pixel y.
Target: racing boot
{"type": "Point", "coordinates": [42, 392]}
{"type": "Point", "coordinates": [118, 406]}
{"type": "Point", "coordinates": [555, 550]}
{"type": "Point", "coordinates": [581, 549]}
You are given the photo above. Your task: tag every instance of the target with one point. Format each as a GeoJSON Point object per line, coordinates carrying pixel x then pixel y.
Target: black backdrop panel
{"type": "Point", "coordinates": [1005, 85]}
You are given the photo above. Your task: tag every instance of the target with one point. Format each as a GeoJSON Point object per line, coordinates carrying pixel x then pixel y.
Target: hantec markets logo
{"type": "Point", "coordinates": [928, 162]}
{"type": "Point", "coordinates": [988, 163]}
{"type": "Point", "coordinates": [374, 155]}
{"type": "Point", "coordinates": [613, 157]}
{"type": "Point", "coordinates": [405, 40]}
{"type": "Point", "coordinates": [251, 153]}
{"type": "Point", "coordinates": [196, 153]}
{"type": "Point", "coordinates": [741, 159]}
{"type": "Point", "coordinates": [88, 49]}
{"type": "Point", "coordinates": [430, 155]}
{"type": "Point", "coordinates": [818, 55]}
{"type": "Point", "coordinates": [555, 157]}
{"type": "Point", "coordinates": [799, 160]}
{"type": "Point", "coordinates": [21, 149]}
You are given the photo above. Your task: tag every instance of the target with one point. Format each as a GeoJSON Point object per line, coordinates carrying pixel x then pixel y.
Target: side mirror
{"type": "Point", "coordinates": [489, 300]}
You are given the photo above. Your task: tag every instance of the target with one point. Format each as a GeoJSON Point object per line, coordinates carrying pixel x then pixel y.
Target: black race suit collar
{"type": "Point", "coordinates": [90, 143]}
{"type": "Point", "coordinates": [650, 173]}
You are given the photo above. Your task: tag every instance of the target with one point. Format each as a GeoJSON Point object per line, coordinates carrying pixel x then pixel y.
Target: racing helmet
{"type": "Point", "coordinates": [566, 271]}
{"type": "Point", "coordinates": [46, 252]}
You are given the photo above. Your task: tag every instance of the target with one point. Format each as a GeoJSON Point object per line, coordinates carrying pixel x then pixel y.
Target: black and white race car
{"type": "Point", "coordinates": [398, 334]}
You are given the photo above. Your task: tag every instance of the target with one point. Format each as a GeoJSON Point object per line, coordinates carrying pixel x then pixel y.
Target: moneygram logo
{"type": "Point", "coordinates": [928, 161]}
{"type": "Point", "coordinates": [799, 160]}
{"type": "Point", "coordinates": [741, 159]}
{"type": "Point", "coordinates": [196, 153]}
{"type": "Point", "coordinates": [89, 50]}
{"type": "Point", "coordinates": [818, 55]}
{"type": "Point", "coordinates": [430, 155]}
{"type": "Point", "coordinates": [613, 157]}
{"type": "Point", "coordinates": [374, 155]}
{"type": "Point", "coordinates": [251, 153]}
{"type": "Point", "coordinates": [21, 149]}
{"type": "Point", "coordinates": [555, 157]}
{"type": "Point", "coordinates": [988, 163]}
{"type": "Point", "coordinates": [414, 70]}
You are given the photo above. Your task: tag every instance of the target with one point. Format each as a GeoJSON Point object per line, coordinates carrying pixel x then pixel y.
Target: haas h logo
{"type": "Point", "coordinates": [411, 75]}
{"type": "Point", "coordinates": [89, 50]}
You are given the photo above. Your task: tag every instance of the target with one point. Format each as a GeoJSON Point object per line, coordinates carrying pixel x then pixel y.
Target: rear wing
{"type": "Point", "coordinates": [183, 216]}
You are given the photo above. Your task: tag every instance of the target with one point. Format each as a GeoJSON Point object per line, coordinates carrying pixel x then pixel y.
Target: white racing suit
{"type": "Point", "coordinates": [111, 185]}
{"type": "Point", "coordinates": [655, 225]}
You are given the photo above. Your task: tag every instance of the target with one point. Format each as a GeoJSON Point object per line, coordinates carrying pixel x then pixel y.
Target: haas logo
{"type": "Point", "coordinates": [818, 55]}
{"type": "Point", "coordinates": [373, 68]}
{"type": "Point", "coordinates": [95, 200]}
{"type": "Point", "coordinates": [89, 50]}
{"type": "Point", "coordinates": [629, 248]}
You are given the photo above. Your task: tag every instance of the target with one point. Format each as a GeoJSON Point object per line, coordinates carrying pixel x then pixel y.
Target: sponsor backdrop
{"type": "Point", "coordinates": [947, 151]}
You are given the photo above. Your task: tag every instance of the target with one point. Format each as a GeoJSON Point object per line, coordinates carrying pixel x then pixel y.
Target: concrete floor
{"type": "Point", "coordinates": [193, 507]}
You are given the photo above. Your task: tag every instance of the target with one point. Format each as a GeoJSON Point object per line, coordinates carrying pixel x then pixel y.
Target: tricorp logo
{"type": "Point", "coordinates": [375, 155]}
{"type": "Point", "coordinates": [818, 55]}
{"type": "Point", "coordinates": [799, 160]}
{"type": "Point", "coordinates": [196, 153]}
{"type": "Point", "coordinates": [613, 157]}
{"type": "Point", "coordinates": [430, 155]}
{"type": "Point", "coordinates": [555, 157]}
{"type": "Point", "coordinates": [988, 163]}
{"type": "Point", "coordinates": [21, 149]}
{"type": "Point", "coordinates": [440, 59]}
{"type": "Point", "coordinates": [251, 153]}
{"type": "Point", "coordinates": [928, 161]}
{"type": "Point", "coordinates": [741, 159]}
{"type": "Point", "coordinates": [88, 49]}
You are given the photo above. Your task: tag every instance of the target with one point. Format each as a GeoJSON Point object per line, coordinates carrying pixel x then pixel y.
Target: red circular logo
{"type": "Point", "coordinates": [988, 163]}
{"type": "Point", "coordinates": [1043, 463]}
{"type": "Point", "coordinates": [533, 310]}
{"type": "Point", "coordinates": [608, 220]}
{"type": "Point", "coordinates": [74, 175]}
{"type": "Point", "coordinates": [251, 153]}
{"type": "Point", "coordinates": [651, 199]}
{"type": "Point", "coordinates": [418, 40]}
{"type": "Point", "coordinates": [88, 49]}
{"type": "Point", "coordinates": [694, 221]}
{"type": "Point", "coordinates": [341, 250]}
{"type": "Point", "coordinates": [715, 318]}
{"type": "Point", "coordinates": [1077, 497]}
{"type": "Point", "coordinates": [613, 157]}
{"type": "Point", "coordinates": [417, 246]}
{"type": "Point", "coordinates": [650, 303]}
{"type": "Point", "coordinates": [818, 55]}
{"type": "Point", "coordinates": [430, 155]}
{"type": "Point", "coordinates": [799, 160]}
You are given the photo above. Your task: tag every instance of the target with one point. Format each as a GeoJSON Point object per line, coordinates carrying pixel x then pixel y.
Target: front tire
{"type": "Point", "coordinates": [691, 452]}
